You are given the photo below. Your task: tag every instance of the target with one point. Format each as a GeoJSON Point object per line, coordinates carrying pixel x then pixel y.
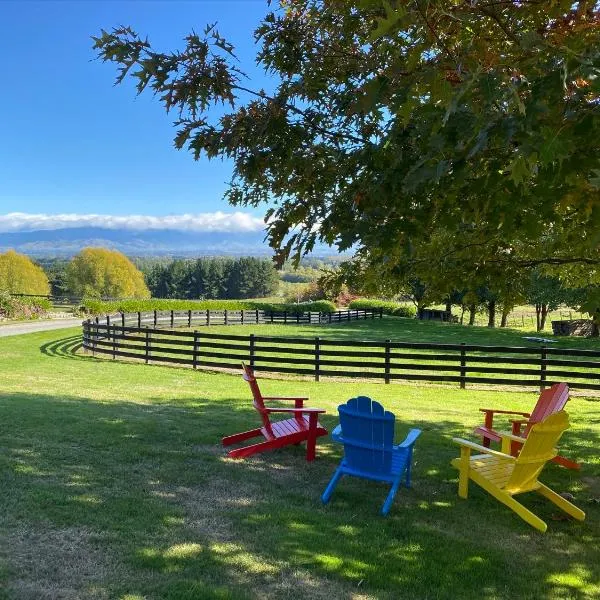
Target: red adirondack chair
{"type": "Point", "coordinates": [303, 426]}
{"type": "Point", "coordinates": [551, 400]}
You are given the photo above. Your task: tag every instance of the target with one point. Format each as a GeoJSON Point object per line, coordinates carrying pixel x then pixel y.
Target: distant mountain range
{"type": "Point", "coordinates": [68, 241]}
{"type": "Point", "coordinates": [156, 242]}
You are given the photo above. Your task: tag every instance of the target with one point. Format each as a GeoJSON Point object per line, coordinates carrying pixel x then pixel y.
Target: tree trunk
{"type": "Point", "coordinates": [448, 306]}
{"type": "Point", "coordinates": [462, 313]}
{"type": "Point", "coordinates": [538, 311]}
{"type": "Point", "coordinates": [504, 317]}
{"type": "Point", "coordinates": [492, 313]}
{"type": "Point", "coordinates": [471, 314]}
{"type": "Point", "coordinates": [543, 317]}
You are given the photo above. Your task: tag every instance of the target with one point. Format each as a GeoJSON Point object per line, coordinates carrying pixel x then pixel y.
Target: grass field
{"type": "Point", "coordinates": [411, 330]}
{"type": "Point", "coordinates": [114, 485]}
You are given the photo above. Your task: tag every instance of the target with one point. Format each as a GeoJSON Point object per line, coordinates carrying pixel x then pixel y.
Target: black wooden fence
{"type": "Point", "coordinates": [318, 357]}
{"type": "Point", "coordinates": [205, 318]}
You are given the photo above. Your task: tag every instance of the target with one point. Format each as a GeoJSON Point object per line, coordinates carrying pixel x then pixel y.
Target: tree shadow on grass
{"type": "Point", "coordinates": [147, 493]}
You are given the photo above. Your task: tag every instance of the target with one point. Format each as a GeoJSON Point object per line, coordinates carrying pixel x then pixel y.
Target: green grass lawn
{"type": "Point", "coordinates": [401, 329]}
{"type": "Point", "coordinates": [114, 485]}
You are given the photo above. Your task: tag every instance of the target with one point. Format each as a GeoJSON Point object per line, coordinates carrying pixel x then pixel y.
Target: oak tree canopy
{"type": "Point", "coordinates": [440, 136]}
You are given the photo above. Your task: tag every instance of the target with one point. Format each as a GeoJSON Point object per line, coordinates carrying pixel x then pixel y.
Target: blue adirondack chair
{"type": "Point", "coordinates": [367, 432]}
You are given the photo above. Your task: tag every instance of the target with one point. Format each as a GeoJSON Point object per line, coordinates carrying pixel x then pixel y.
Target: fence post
{"type": "Point", "coordinates": [251, 350]}
{"type": "Point", "coordinates": [463, 365]}
{"type": "Point", "coordinates": [381, 312]}
{"type": "Point", "coordinates": [114, 343]}
{"type": "Point", "coordinates": [297, 318]}
{"type": "Point", "coordinates": [122, 319]}
{"type": "Point", "coordinates": [172, 319]}
{"type": "Point", "coordinates": [543, 355]}
{"type": "Point", "coordinates": [190, 318]}
{"type": "Point", "coordinates": [85, 336]}
{"type": "Point", "coordinates": [242, 317]}
{"type": "Point", "coordinates": [195, 354]}
{"type": "Point", "coordinates": [208, 317]}
{"type": "Point", "coordinates": [155, 317]}
{"type": "Point", "coordinates": [225, 319]}
{"type": "Point", "coordinates": [330, 318]}
{"type": "Point", "coordinates": [147, 345]}
{"type": "Point", "coordinates": [387, 360]}
{"type": "Point", "coordinates": [257, 316]}
{"type": "Point", "coordinates": [96, 336]}
{"type": "Point", "coordinates": [373, 314]}
{"type": "Point", "coordinates": [285, 317]}
{"type": "Point", "coordinates": [139, 319]}
{"type": "Point", "coordinates": [317, 359]}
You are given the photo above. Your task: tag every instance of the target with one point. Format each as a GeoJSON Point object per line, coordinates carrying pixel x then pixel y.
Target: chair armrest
{"type": "Point", "coordinates": [481, 449]}
{"type": "Point", "coordinates": [504, 412]}
{"type": "Point", "coordinates": [410, 439]}
{"type": "Point", "coordinates": [521, 422]}
{"type": "Point", "coordinates": [511, 436]}
{"type": "Point", "coordinates": [295, 410]}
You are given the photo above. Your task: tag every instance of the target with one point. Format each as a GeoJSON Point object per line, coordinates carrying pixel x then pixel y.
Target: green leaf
{"type": "Point", "coordinates": [519, 170]}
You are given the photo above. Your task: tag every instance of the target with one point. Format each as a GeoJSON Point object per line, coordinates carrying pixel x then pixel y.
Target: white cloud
{"type": "Point", "coordinates": [216, 221]}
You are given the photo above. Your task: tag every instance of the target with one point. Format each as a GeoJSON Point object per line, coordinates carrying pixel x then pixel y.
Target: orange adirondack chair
{"type": "Point", "coordinates": [302, 427]}
{"type": "Point", "coordinates": [551, 400]}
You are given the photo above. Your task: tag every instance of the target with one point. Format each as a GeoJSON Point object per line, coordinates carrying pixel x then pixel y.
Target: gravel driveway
{"type": "Point", "coordinates": [33, 326]}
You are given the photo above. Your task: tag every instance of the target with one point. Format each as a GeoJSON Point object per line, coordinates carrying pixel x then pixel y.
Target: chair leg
{"type": "Point", "coordinates": [331, 485]}
{"type": "Point", "coordinates": [390, 498]}
{"type": "Point", "coordinates": [561, 502]}
{"type": "Point", "coordinates": [250, 450]}
{"type": "Point", "coordinates": [408, 468]}
{"type": "Point", "coordinates": [523, 512]}
{"type": "Point", "coordinates": [240, 437]}
{"type": "Point", "coordinates": [311, 440]}
{"type": "Point", "coordinates": [463, 473]}
{"type": "Point", "coordinates": [565, 462]}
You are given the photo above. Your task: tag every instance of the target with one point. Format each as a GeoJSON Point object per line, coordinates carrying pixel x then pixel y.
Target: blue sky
{"type": "Point", "coordinates": [74, 143]}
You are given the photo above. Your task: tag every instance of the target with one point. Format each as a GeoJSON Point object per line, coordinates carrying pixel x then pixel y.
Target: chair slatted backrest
{"type": "Point", "coordinates": [258, 401]}
{"type": "Point", "coordinates": [368, 435]}
{"type": "Point", "coordinates": [538, 449]}
{"type": "Point", "coordinates": [551, 400]}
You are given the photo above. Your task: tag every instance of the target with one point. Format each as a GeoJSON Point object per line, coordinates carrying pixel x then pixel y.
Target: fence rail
{"type": "Point", "coordinates": [205, 318]}
{"type": "Point", "coordinates": [319, 357]}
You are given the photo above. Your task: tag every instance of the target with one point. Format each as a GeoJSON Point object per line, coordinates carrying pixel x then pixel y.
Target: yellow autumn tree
{"type": "Point", "coordinates": [99, 272]}
{"type": "Point", "coordinates": [20, 275]}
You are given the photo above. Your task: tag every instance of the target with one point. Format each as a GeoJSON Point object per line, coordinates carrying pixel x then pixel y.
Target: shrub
{"type": "Point", "coordinates": [23, 308]}
{"type": "Point", "coordinates": [92, 306]}
{"type": "Point", "coordinates": [389, 308]}
{"type": "Point", "coordinates": [324, 306]}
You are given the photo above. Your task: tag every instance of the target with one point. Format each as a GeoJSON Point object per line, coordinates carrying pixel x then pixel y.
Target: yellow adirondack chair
{"type": "Point", "coordinates": [504, 476]}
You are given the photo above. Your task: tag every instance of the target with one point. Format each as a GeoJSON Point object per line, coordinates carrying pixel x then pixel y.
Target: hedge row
{"type": "Point", "coordinates": [389, 308]}
{"type": "Point", "coordinates": [102, 307]}
{"type": "Point", "coordinates": [23, 307]}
